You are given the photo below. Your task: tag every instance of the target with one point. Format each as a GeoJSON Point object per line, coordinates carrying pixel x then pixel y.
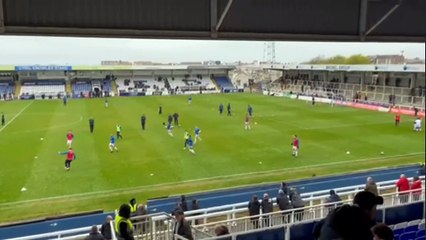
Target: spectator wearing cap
{"type": "Point", "coordinates": [382, 232]}
{"type": "Point", "coordinates": [94, 234]}
{"type": "Point", "coordinates": [267, 207]}
{"type": "Point", "coordinates": [254, 211]}
{"type": "Point", "coordinates": [106, 228]}
{"type": "Point", "coordinates": [332, 200]}
{"type": "Point", "coordinates": [371, 186]}
{"type": "Point", "coordinates": [182, 227]}
{"type": "Point", "coordinates": [352, 222]}
{"type": "Point", "coordinates": [416, 188]}
{"type": "Point", "coordinates": [283, 203]}
{"type": "Point", "coordinates": [403, 186]}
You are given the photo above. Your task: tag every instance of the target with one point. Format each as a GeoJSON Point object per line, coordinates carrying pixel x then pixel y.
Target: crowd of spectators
{"type": "Point", "coordinates": [287, 198]}
{"type": "Point", "coordinates": [343, 221]}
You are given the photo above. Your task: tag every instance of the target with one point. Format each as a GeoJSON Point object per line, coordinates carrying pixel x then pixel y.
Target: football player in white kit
{"type": "Point", "coordinates": [418, 125]}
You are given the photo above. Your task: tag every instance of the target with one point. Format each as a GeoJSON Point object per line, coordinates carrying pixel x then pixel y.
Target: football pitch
{"type": "Point", "coordinates": [152, 164]}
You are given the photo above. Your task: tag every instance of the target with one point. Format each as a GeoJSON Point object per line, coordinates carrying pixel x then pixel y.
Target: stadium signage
{"type": "Point", "coordinates": [43, 68]}
{"type": "Point", "coordinates": [334, 67]}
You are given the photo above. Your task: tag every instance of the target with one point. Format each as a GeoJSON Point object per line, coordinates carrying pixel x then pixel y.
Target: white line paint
{"type": "Point", "coordinates": [17, 115]}
{"type": "Point", "coordinates": [97, 193]}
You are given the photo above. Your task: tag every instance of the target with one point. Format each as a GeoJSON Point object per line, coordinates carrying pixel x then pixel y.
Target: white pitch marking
{"type": "Point", "coordinates": [17, 115]}
{"type": "Point", "coordinates": [377, 159]}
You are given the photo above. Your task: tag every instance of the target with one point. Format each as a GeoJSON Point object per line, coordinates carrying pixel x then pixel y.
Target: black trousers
{"type": "Point", "coordinates": [91, 128]}
{"type": "Point", "coordinates": [119, 135]}
{"type": "Point", "coordinates": [143, 126]}
{"type": "Point", "coordinates": [68, 163]}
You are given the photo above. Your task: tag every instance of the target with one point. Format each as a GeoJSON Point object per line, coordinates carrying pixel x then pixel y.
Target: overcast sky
{"type": "Point", "coordinates": [54, 50]}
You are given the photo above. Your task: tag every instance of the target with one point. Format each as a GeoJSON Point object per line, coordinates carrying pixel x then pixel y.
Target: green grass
{"type": "Point", "coordinates": [228, 155]}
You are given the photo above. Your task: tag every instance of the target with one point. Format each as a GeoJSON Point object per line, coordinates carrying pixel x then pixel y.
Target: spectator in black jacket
{"type": "Point", "coordinates": [94, 234]}
{"type": "Point", "coordinates": [297, 202]}
{"type": "Point", "coordinates": [285, 188]}
{"type": "Point", "coordinates": [283, 203]}
{"type": "Point", "coordinates": [267, 207]}
{"type": "Point", "coordinates": [183, 204]}
{"type": "Point", "coordinates": [254, 210]}
{"type": "Point", "coordinates": [106, 228]}
{"type": "Point", "coordinates": [352, 222]}
{"type": "Point", "coordinates": [182, 227]}
{"type": "Point", "coordinates": [196, 206]}
{"type": "Point", "coordinates": [332, 200]}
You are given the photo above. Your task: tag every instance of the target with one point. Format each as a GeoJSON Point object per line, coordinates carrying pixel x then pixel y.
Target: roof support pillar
{"type": "Point", "coordinates": [213, 18]}
{"type": "Point", "coordinates": [384, 17]}
{"type": "Point", "coordinates": [2, 28]}
{"type": "Point", "coordinates": [363, 19]}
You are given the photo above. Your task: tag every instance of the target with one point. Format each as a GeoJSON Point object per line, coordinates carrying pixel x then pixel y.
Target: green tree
{"type": "Point", "coordinates": [339, 59]}
{"type": "Point", "coordinates": [358, 59]}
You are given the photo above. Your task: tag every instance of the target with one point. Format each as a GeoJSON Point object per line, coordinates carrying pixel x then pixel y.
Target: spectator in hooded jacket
{"type": "Point", "coordinates": [403, 186]}
{"type": "Point", "coordinates": [297, 202]}
{"type": "Point", "coordinates": [371, 186]}
{"type": "Point", "coordinates": [283, 203]}
{"type": "Point", "coordinates": [416, 188]}
{"type": "Point", "coordinates": [267, 207]}
{"type": "Point", "coordinates": [254, 210]}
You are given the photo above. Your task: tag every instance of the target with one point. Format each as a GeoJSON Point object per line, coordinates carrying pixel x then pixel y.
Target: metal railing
{"type": "Point", "coordinates": [160, 225]}
{"type": "Point", "coordinates": [231, 211]}
{"type": "Point", "coordinates": [288, 218]}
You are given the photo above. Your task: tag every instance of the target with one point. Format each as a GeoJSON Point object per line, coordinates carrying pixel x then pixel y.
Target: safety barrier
{"type": "Point", "coordinates": [160, 225]}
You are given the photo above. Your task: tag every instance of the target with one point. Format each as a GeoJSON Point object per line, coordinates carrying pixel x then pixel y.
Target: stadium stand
{"type": "Point", "coordinates": [6, 88]}
{"type": "Point", "coordinates": [81, 89]}
{"type": "Point", "coordinates": [224, 82]}
{"type": "Point", "coordinates": [43, 88]}
{"type": "Point", "coordinates": [395, 87]}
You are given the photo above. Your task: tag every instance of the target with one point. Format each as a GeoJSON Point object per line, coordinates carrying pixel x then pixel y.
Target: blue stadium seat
{"type": "Point", "coordinates": [398, 231]}
{"type": "Point", "coordinates": [420, 238]}
{"type": "Point", "coordinates": [420, 233]}
{"type": "Point", "coordinates": [407, 236]}
{"type": "Point", "coordinates": [413, 228]}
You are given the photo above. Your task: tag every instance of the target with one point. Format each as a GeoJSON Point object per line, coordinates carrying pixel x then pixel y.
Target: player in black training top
{"type": "Point", "coordinates": [143, 121]}
{"type": "Point", "coordinates": [91, 124]}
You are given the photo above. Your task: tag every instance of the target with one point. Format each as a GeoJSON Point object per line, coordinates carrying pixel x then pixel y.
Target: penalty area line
{"type": "Point", "coordinates": [140, 188]}
{"type": "Point", "coordinates": [14, 117]}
